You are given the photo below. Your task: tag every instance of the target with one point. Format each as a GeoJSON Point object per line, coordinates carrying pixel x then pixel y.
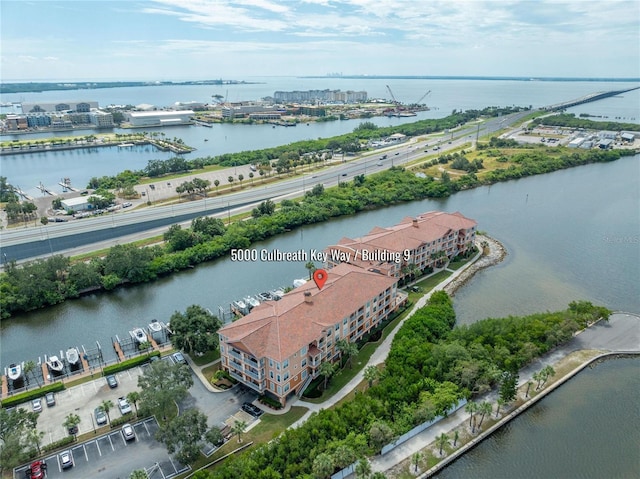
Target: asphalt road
{"type": "Point", "coordinates": [77, 236]}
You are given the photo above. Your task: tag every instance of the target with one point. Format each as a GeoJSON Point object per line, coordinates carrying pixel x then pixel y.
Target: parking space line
{"type": "Point", "coordinates": [174, 466]}
{"type": "Point", "coordinates": [84, 448]}
{"type": "Point", "coordinates": [146, 428]}
{"type": "Point", "coordinates": [111, 442]}
{"type": "Point", "coordinates": [98, 446]}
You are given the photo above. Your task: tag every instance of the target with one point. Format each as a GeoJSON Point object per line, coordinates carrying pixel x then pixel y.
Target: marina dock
{"type": "Point", "coordinates": [44, 190]}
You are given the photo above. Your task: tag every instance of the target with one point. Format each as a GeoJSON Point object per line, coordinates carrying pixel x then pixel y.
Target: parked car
{"type": "Point", "coordinates": [36, 404]}
{"type": "Point", "coordinates": [124, 405]}
{"type": "Point", "coordinates": [249, 408]}
{"type": "Point", "coordinates": [179, 358]}
{"type": "Point", "coordinates": [112, 381]}
{"type": "Point", "coordinates": [66, 459]}
{"type": "Point", "coordinates": [36, 470]}
{"type": "Point", "coordinates": [101, 416]}
{"type": "Point", "coordinates": [50, 399]}
{"type": "Point", "coordinates": [128, 433]}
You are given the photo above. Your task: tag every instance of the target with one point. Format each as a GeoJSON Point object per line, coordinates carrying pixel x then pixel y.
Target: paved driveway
{"type": "Point", "coordinates": [109, 456]}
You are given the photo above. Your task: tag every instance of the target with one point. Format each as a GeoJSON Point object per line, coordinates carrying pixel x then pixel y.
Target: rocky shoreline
{"type": "Point", "coordinates": [497, 253]}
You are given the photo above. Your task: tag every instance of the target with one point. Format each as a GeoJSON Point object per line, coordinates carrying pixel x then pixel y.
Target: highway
{"type": "Point", "coordinates": [87, 234]}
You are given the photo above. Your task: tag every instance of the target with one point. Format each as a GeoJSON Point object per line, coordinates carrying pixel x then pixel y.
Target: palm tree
{"type": "Point", "coordinates": [240, 178]}
{"type": "Point", "coordinates": [363, 468]}
{"type": "Point", "coordinates": [323, 465]}
{"type": "Point", "coordinates": [238, 429]}
{"type": "Point", "coordinates": [529, 384]}
{"type": "Point", "coordinates": [371, 373]}
{"type": "Point", "coordinates": [471, 408]}
{"type": "Point", "coordinates": [134, 397]}
{"type": "Point", "coordinates": [251, 177]}
{"type": "Point", "coordinates": [230, 180]}
{"type": "Point", "coordinates": [146, 345]}
{"type": "Point", "coordinates": [547, 372]}
{"type": "Point", "coordinates": [347, 349]}
{"type": "Point", "coordinates": [216, 184]}
{"type": "Point", "coordinates": [71, 423]}
{"type": "Point", "coordinates": [311, 267]}
{"type": "Point", "coordinates": [139, 474]}
{"type": "Point", "coordinates": [537, 377]}
{"type": "Point", "coordinates": [326, 369]}
{"type": "Point", "coordinates": [35, 438]}
{"type": "Point", "coordinates": [106, 406]}
{"type": "Point", "coordinates": [442, 440]}
{"type": "Point", "coordinates": [500, 403]}
{"type": "Point", "coordinates": [484, 408]}
{"type": "Point", "coordinates": [456, 436]}
{"type": "Point", "coordinates": [416, 459]}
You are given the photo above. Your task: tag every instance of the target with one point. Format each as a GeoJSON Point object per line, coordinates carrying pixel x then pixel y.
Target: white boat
{"type": "Point", "coordinates": [155, 326]}
{"type": "Point", "coordinates": [15, 371]}
{"type": "Point", "coordinates": [251, 302]}
{"type": "Point", "coordinates": [241, 305]}
{"type": "Point", "coordinates": [139, 335]}
{"type": "Point", "coordinates": [72, 356]}
{"type": "Point", "coordinates": [299, 282]}
{"type": "Point", "coordinates": [277, 294]}
{"type": "Point", "coordinates": [55, 364]}
{"type": "Point", "coordinates": [266, 296]}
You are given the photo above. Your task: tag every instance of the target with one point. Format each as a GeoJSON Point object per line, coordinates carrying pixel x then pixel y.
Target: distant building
{"type": "Point", "coordinates": [324, 96]}
{"type": "Point", "coordinates": [139, 119]}
{"type": "Point", "coordinates": [605, 144]}
{"type": "Point", "coordinates": [576, 142]}
{"type": "Point", "coordinates": [75, 106]}
{"type": "Point", "coordinates": [80, 203]}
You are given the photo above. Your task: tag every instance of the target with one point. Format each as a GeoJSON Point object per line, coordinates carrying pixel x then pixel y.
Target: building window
{"type": "Point", "coordinates": [304, 375]}
{"type": "Point", "coordinates": [286, 387]}
{"type": "Point", "coordinates": [270, 363]}
{"type": "Point", "coordinates": [278, 378]}
{"type": "Point", "coordinates": [271, 374]}
{"type": "Point", "coordinates": [303, 351]}
{"type": "Point", "coordinates": [286, 376]}
{"type": "Point", "coordinates": [304, 363]}
{"type": "Point", "coordinates": [337, 328]}
{"type": "Point", "coordinates": [285, 365]}
{"type": "Point", "coordinates": [279, 390]}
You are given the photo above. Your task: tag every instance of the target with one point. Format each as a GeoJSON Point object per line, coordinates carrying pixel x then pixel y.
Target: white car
{"type": "Point", "coordinates": [66, 459]}
{"type": "Point", "coordinates": [124, 405]}
{"type": "Point", "coordinates": [36, 404]}
{"type": "Point", "coordinates": [128, 433]}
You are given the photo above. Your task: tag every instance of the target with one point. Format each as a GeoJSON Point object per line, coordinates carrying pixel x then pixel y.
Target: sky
{"type": "Point", "coordinates": [173, 40]}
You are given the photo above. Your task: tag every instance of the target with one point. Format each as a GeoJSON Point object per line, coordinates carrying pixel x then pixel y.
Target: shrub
{"type": "Point", "coordinates": [33, 394]}
{"type": "Point", "coordinates": [59, 444]}
{"type": "Point", "coordinates": [128, 364]}
{"type": "Point", "coordinates": [122, 420]}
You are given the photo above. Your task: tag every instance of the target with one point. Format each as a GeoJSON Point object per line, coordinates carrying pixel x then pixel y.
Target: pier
{"type": "Point", "coordinates": [66, 184]}
{"type": "Point", "coordinates": [21, 193]}
{"type": "Point", "coordinates": [44, 190]}
{"type": "Point", "coordinates": [587, 99]}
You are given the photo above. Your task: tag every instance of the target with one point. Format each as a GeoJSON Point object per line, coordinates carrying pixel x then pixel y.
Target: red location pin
{"type": "Point", "coordinates": [320, 277]}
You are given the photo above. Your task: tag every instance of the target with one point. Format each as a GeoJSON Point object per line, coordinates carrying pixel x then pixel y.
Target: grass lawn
{"type": "Point", "coordinates": [206, 358]}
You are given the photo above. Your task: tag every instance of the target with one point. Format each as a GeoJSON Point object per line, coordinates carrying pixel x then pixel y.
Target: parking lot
{"type": "Point", "coordinates": [109, 456]}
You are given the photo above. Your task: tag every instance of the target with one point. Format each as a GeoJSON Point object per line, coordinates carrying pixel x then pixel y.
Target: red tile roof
{"type": "Point", "coordinates": [277, 329]}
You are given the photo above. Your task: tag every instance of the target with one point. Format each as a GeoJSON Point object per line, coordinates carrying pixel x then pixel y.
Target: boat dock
{"type": "Point", "coordinates": [66, 185]}
{"type": "Point", "coordinates": [44, 190]}
{"type": "Point", "coordinates": [21, 193]}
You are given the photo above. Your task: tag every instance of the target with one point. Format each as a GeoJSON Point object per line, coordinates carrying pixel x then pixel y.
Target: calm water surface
{"type": "Point", "coordinates": [588, 428]}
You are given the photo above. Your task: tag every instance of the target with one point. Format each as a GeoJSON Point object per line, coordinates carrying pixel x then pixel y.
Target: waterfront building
{"type": "Point", "coordinates": [324, 96]}
{"type": "Point", "coordinates": [277, 349]}
{"type": "Point", "coordinates": [425, 242]}
{"type": "Point", "coordinates": [139, 119]}
{"type": "Point", "coordinates": [42, 107]}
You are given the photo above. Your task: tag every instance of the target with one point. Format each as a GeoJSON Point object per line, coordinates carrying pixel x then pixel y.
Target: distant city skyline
{"type": "Point", "coordinates": [58, 40]}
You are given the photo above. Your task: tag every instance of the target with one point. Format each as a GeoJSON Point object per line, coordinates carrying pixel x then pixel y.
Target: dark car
{"type": "Point", "coordinates": [249, 408]}
{"type": "Point", "coordinates": [50, 399]}
{"type": "Point", "coordinates": [112, 381]}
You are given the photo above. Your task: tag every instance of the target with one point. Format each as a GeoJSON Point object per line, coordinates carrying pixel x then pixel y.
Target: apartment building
{"type": "Point", "coordinates": [426, 241]}
{"type": "Point", "coordinates": [279, 346]}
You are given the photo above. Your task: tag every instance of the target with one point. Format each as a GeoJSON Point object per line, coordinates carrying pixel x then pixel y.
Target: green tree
{"type": "Point", "coordinates": [134, 397]}
{"type": "Point", "coordinates": [139, 474]}
{"type": "Point", "coordinates": [162, 385]}
{"type": "Point", "coordinates": [456, 436]}
{"type": "Point", "coordinates": [370, 374]}
{"type": "Point", "coordinates": [323, 466]}
{"type": "Point", "coordinates": [326, 369]}
{"type": "Point", "coordinates": [240, 178]}
{"type": "Point", "coordinates": [472, 408]}
{"type": "Point", "coordinates": [380, 434]}
{"type": "Point", "coordinates": [363, 468]}
{"type": "Point", "coordinates": [183, 435]}
{"type": "Point", "coordinates": [195, 330]}
{"type": "Point", "coordinates": [347, 349]}
{"type": "Point", "coordinates": [106, 406]}
{"type": "Point", "coordinates": [343, 456]}
{"type": "Point", "coordinates": [214, 436]}
{"type": "Point", "coordinates": [311, 267]}
{"type": "Point", "coordinates": [34, 438]}
{"type": "Point", "coordinates": [509, 386]}
{"type": "Point", "coordinates": [499, 403]}
{"type": "Point", "coordinates": [71, 423]}
{"type": "Point", "coordinates": [415, 458]}
{"type": "Point", "coordinates": [14, 440]}
{"type": "Point", "coordinates": [216, 183]}
{"type": "Point", "coordinates": [442, 440]}
{"type": "Point", "coordinates": [484, 408]}
{"type": "Point", "coordinates": [238, 429]}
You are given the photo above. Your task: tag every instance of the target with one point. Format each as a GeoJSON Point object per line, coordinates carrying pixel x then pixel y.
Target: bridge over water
{"type": "Point", "coordinates": [587, 98]}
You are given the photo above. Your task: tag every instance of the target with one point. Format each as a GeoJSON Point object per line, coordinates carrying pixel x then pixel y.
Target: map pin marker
{"type": "Point", "coordinates": [320, 277]}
